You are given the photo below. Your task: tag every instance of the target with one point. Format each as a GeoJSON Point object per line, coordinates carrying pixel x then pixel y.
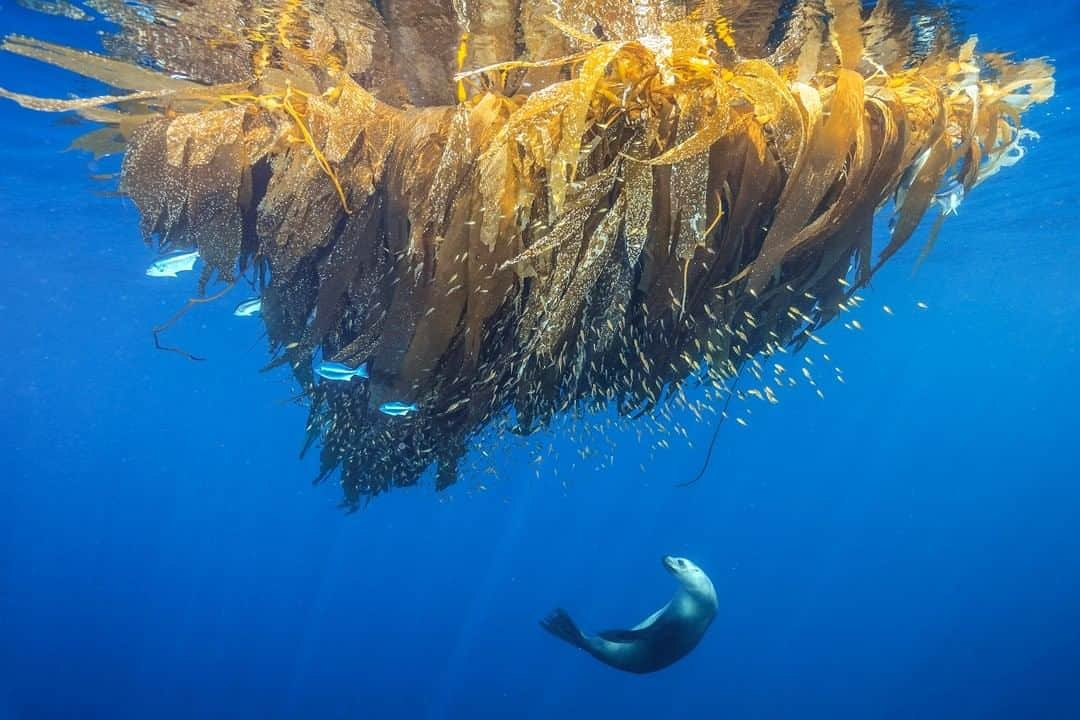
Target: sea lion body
{"type": "Point", "coordinates": [662, 638]}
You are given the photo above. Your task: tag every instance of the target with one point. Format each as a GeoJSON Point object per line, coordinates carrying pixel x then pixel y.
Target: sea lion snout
{"type": "Point", "coordinates": [672, 563]}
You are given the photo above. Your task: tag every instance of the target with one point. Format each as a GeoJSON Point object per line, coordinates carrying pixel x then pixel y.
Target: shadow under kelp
{"type": "Point", "coordinates": [635, 195]}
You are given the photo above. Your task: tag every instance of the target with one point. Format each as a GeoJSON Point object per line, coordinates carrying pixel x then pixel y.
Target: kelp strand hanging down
{"type": "Point", "coordinates": [631, 194]}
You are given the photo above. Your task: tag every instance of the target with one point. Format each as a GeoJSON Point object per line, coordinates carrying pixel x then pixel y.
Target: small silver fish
{"type": "Point", "coordinates": [249, 308]}
{"type": "Point", "coordinates": [398, 409]}
{"type": "Point", "coordinates": [340, 371]}
{"type": "Point", "coordinates": [170, 265]}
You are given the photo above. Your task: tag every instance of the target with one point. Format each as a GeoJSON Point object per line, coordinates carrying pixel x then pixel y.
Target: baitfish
{"type": "Point", "coordinates": [398, 409]}
{"type": "Point", "coordinates": [249, 308]}
{"type": "Point", "coordinates": [170, 265]}
{"type": "Point", "coordinates": [340, 371]}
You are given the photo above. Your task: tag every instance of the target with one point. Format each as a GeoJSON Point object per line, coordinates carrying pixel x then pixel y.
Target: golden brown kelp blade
{"type": "Point", "coordinates": [634, 195]}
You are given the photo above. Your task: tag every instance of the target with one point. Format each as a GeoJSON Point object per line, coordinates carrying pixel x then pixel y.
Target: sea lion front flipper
{"type": "Point", "coordinates": [621, 636]}
{"type": "Point", "coordinates": [660, 631]}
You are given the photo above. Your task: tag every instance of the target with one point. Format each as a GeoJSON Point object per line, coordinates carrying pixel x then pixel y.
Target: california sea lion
{"type": "Point", "coordinates": [662, 638]}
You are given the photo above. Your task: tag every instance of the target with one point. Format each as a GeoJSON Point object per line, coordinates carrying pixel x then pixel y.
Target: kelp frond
{"type": "Point", "coordinates": [638, 193]}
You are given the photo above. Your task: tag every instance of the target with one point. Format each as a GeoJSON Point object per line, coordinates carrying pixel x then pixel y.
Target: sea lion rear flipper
{"type": "Point", "coordinates": [559, 624]}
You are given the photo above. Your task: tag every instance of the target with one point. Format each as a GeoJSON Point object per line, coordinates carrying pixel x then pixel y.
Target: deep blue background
{"type": "Point", "coordinates": [907, 547]}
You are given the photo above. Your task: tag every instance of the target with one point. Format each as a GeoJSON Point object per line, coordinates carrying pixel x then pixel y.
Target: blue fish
{"type": "Point", "coordinates": [170, 265]}
{"type": "Point", "coordinates": [398, 409]}
{"type": "Point", "coordinates": [340, 371]}
{"type": "Point", "coordinates": [249, 308]}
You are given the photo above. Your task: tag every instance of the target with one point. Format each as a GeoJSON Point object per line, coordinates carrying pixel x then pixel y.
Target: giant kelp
{"type": "Point", "coordinates": [512, 210]}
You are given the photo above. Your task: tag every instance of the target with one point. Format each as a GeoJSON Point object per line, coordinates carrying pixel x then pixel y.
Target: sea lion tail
{"type": "Point", "coordinates": [559, 624]}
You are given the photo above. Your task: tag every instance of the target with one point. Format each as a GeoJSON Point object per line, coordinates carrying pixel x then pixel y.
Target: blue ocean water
{"type": "Point", "coordinates": [906, 547]}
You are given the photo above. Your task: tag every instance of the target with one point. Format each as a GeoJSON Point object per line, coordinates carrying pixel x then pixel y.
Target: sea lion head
{"type": "Point", "coordinates": [693, 579]}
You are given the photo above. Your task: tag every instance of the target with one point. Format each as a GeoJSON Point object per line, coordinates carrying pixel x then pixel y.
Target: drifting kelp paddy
{"type": "Point", "coordinates": [492, 215]}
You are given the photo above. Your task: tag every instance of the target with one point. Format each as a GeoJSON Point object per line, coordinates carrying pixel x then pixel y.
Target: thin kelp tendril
{"type": "Point", "coordinates": [192, 302]}
{"type": "Point", "coordinates": [716, 434]}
